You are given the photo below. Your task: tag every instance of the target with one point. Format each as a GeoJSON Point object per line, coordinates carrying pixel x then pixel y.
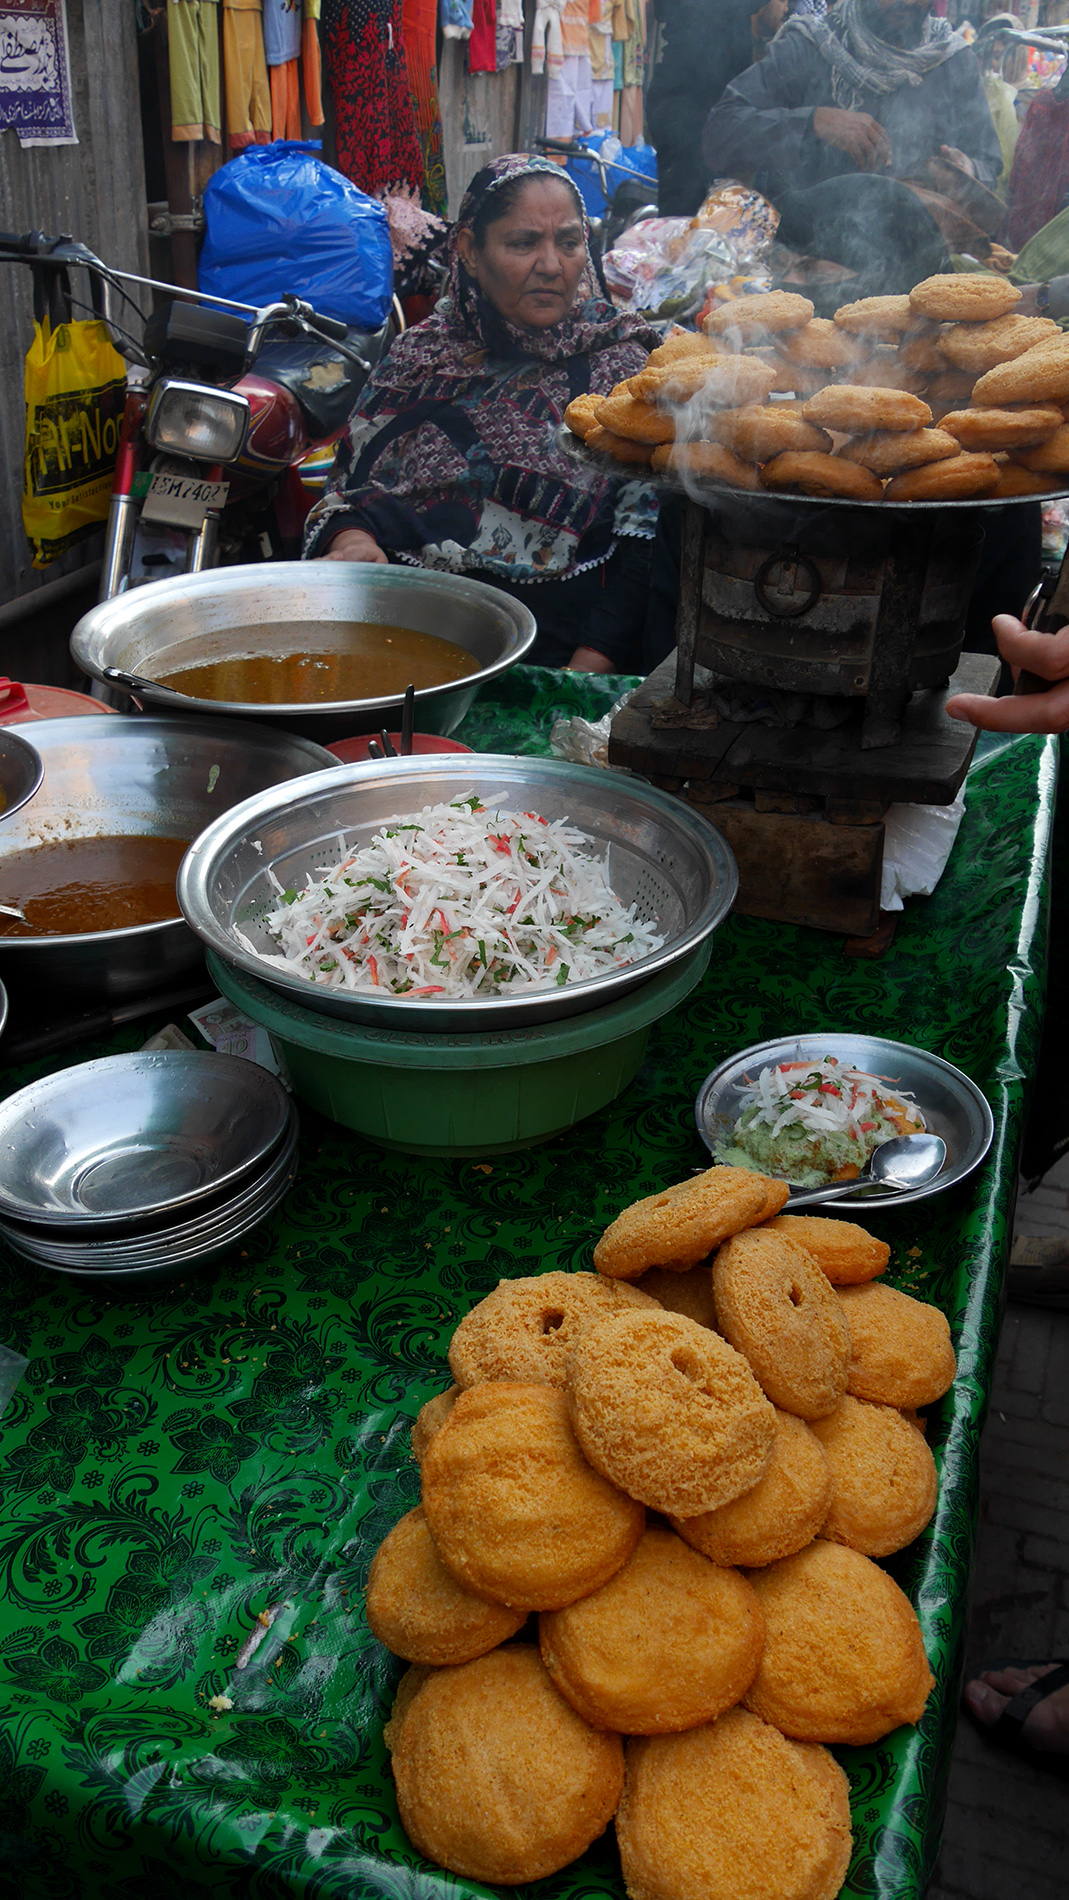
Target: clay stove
{"type": "Point", "coordinates": [817, 646]}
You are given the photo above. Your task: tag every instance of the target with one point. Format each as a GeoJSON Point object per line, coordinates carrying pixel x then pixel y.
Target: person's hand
{"type": "Point", "coordinates": [862, 138]}
{"type": "Point", "coordinates": [958, 158]}
{"type": "Point", "coordinates": [352, 544]}
{"type": "Point", "coordinates": [588, 660]}
{"type": "Point", "coordinates": [765, 23]}
{"type": "Point", "coordinates": [1046, 654]}
{"type": "Point", "coordinates": [1027, 306]}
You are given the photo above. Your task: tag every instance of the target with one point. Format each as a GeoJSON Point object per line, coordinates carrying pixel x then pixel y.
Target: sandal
{"type": "Point", "coordinates": [1007, 1732]}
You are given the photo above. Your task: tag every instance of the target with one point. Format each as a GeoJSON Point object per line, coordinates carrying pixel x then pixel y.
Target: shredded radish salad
{"type": "Point", "coordinates": [464, 899]}
{"type": "Point", "coordinates": [815, 1122]}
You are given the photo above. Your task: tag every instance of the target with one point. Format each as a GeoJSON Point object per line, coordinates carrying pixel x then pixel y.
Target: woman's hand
{"type": "Point", "coordinates": [1046, 654]}
{"type": "Point", "coordinates": [352, 544]}
{"type": "Point", "coordinates": [588, 660]}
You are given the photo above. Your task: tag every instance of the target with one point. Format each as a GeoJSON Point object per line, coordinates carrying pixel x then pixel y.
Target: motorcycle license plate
{"type": "Point", "coordinates": [182, 501]}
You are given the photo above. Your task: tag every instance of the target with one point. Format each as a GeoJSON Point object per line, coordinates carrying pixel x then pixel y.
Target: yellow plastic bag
{"type": "Point", "coordinates": [75, 389]}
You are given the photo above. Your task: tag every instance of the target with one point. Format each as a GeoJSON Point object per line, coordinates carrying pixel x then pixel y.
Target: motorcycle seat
{"type": "Point", "coordinates": [323, 383]}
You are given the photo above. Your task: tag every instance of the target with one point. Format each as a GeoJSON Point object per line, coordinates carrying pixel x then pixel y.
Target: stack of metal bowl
{"type": "Point", "coordinates": [137, 1165]}
{"type": "Point", "coordinates": [458, 1075]}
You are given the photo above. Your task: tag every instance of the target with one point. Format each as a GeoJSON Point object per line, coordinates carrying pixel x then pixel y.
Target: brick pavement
{"type": "Point", "coordinates": [1007, 1827]}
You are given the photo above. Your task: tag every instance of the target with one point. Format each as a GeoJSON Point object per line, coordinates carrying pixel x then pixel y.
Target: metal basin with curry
{"type": "Point", "coordinates": [324, 648]}
{"type": "Point", "coordinates": [91, 861]}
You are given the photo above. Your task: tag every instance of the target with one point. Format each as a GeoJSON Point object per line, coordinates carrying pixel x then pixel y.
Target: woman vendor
{"type": "Point", "coordinates": [451, 458]}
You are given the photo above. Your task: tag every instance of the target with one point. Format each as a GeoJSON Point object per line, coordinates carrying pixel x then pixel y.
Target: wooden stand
{"type": "Point", "coordinates": [802, 809]}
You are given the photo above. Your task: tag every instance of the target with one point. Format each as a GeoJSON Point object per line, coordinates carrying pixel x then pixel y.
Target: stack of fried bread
{"type": "Point", "coordinates": [944, 394]}
{"type": "Point", "coordinates": [684, 1465]}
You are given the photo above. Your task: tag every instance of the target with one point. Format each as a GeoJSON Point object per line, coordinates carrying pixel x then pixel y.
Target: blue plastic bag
{"type": "Point", "coordinates": [280, 222]}
{"type": "Point", "coordinates": [632, 158]}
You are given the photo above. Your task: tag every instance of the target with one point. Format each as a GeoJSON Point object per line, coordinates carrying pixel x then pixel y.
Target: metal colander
{"type": "Point", "coordinates": [660, 855]}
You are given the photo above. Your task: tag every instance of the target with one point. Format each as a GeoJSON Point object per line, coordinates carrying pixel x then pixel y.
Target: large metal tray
{"type": "Point", "coordinates": [710, 493]}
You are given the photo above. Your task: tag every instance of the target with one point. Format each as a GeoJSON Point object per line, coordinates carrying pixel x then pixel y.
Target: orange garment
{"type": "Point", "coordinates": [312, 64]}
{"type": "Point", "coordinates": [575, 29]}
{"type": "Point", "coordinates": [248, 95]}
{"type": "Point", "coordinates": [285, 101]}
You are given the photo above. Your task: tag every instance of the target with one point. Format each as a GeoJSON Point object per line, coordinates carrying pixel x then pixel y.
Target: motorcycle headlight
{"type": "Point", "coordinates": [197, 420]}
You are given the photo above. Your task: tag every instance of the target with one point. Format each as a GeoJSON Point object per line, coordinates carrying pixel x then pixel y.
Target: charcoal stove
{"type": "Point", "coordinates": [818, 643]}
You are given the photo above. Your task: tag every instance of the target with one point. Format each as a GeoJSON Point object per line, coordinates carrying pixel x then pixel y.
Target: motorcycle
{"type": "Point", "coordinates": [223, 403]}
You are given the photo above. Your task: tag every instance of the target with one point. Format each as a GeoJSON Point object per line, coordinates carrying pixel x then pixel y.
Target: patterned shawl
{"type": "Point", "coordinates": [451, 458]}
{"type": "Point", "coordinates": [861, 62]}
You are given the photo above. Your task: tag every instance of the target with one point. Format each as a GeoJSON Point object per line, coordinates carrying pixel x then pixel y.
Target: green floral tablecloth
{"type": "Point", "coordinates": [172, 1466]}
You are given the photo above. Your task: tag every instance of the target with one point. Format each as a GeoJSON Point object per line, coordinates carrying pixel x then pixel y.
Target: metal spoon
{"type": "Point", "coordinates": [407, 719]}
{"type": "Point", "coordinates": [909, 1161]}
{"type": "Point", "coordinates": [387, 744]}
{"type": "Point", "coordinates": [374, 750]}
{"type": "Point", "coordinates": [11, 910]}
{"type": "Point", "coordinates": [135, 683]}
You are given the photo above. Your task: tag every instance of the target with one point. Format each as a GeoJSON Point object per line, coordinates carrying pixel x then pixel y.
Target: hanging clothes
{"type": "Point", "coordinates": [632, 67]}
{"type": "Point", "coordinates": [375, 131]}
{"type": "Point", "coordinates": [547, 46]}
{"type": "Point", "coordinates": [282, 31]}
{"type": "Point", "coordinates": [482, 46]}
{"type": "Point", "coordinates": [282, 45]}
{"type": "Point", "coordinates": [457, 19]}
{"type": "Point", "coordinates": [420, 25]}
{"type": "Point", "coordinates": [601, 64]}
{"type": "Point", "coordinates": [569, 99]}
{"type": "Point", "coordinates": [311, 64]}
{"type": "Point", "coordinates": [509, 34]}
{"type": "Point", "coordinates": [248, 95]}
{"type": "Point", "coordinates": [193, 56]}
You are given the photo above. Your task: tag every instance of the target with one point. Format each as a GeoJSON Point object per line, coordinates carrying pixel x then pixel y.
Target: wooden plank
{"type": "Point", "coordinates": [479, 117]}
{"type": "Point", "coordinates": [926, 767]}
{"type": "Point", "coordinates": [802, 870]}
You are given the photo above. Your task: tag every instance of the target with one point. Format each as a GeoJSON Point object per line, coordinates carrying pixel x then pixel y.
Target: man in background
{"type": "Point", "coordinates": [839, 112]}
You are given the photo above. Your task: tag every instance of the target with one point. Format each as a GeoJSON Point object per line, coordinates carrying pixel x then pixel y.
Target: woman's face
{"type": "Point", "coordinates": [532, 258]}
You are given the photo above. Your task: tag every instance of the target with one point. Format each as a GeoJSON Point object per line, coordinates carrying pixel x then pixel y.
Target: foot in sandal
{"type": "Point", "coordinates": [1024, 1706]}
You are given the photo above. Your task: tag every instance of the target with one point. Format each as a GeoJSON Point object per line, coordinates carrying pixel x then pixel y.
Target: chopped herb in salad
{"type": "Point", "coordinates": [463, 900]}
{"type": "Point", "coordinates": [815, 1122]}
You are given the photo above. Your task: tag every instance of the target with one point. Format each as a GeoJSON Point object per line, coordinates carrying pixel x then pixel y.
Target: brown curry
{"type": "Point", "coordinates": [378, 663]}
{"type": "Point", "coordinates": [71, 886]}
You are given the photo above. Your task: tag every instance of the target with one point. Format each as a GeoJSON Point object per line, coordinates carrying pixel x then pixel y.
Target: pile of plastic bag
{"type": "Point", "coordinates": [667, 267]}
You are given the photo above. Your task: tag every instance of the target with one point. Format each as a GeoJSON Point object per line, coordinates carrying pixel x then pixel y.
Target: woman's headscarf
{"type": "Point", "coordinates": [453, 457]}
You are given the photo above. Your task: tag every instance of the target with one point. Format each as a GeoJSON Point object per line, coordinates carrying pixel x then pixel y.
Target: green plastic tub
{"type": "Point", "coordinates": [437, 1094]}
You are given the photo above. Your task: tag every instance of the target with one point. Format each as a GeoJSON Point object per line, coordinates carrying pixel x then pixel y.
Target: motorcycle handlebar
{"type": "Point", "coordinates": [329, 327]}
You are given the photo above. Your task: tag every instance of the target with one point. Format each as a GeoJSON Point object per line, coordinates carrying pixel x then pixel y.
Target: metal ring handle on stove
{"type": "Point", "coordinates": [816, 586]}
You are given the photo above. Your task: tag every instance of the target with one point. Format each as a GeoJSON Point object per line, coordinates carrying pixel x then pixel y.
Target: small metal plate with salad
{"type": "Point", "coordinates": [845, 1096]}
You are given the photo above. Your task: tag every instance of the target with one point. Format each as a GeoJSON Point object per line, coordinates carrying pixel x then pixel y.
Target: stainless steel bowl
{"type": "Point", "coordinates": [949, 1100]}
{"type": "Point", "coordinates": [3, 1009]}
{"type": "Point", "coordinates": [659, 854]}
{"type": "Point", "coordinates": [185, 1239]}
{"type": "Point", "coordinates": [163, 778]}
{"type": "Point", "coordinates": [188, 620]}
{"type": "Point", "coordinates": [173, 1250]}
{"type": "Point", "coordinates": [21, 772]}
{"type": "Point", "coordinates": [129, 1136]}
